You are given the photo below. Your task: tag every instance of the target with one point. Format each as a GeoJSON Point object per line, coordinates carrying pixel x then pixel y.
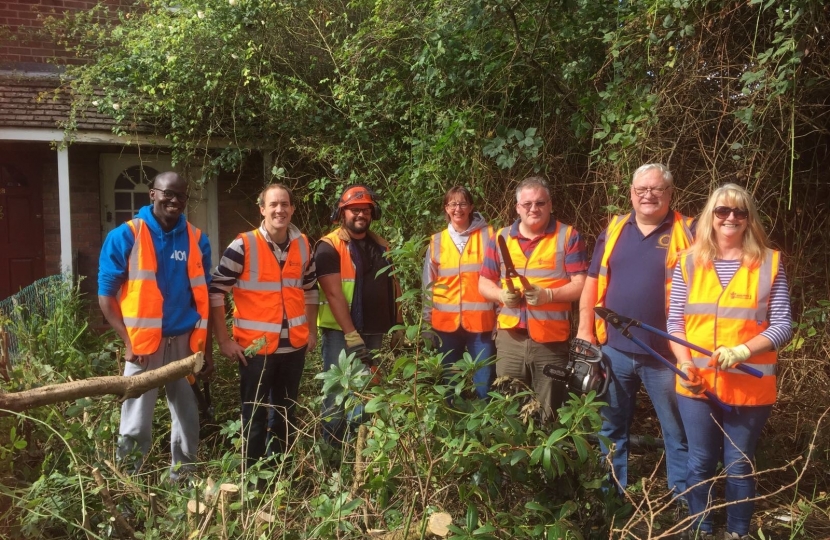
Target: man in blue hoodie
{"type": "Point", "coordinates": [152, 288]}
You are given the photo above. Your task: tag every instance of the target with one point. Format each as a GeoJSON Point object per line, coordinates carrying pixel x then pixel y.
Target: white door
{"type": "Point", "coordinates": [125, 187]}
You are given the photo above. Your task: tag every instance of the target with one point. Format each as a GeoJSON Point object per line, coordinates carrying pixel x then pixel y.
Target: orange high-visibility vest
{"type": "Point", "coordinates": [456, 301]}
{"type": "Point", "coordinates": [264, 292]}
{"type": "Point", "coordinates": [728, 317]}
{"type": "Point", "coordinates": [545, 268]}
{"type": "Point", "coordinates": [680, 239]}
{"type": "Point", "coordinates": [325, 317]}
{"type": "Point", "coordinates": [141, 300]}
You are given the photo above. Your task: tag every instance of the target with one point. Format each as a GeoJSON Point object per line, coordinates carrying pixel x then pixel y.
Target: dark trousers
{"type": "Point", "coordinates": [268, 387]}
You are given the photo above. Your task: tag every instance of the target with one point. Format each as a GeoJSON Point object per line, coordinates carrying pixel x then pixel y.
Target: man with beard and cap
{"type": "Point", "coordinates": [270, 273]}
{"type": "Point", "coordinates": [153, 290]}
{"type": "Point", "coordinates": [358, 294]}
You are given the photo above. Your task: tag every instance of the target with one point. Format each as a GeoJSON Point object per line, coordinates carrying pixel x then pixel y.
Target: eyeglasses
{"type": "Point", "coordinates": [358, 211]}
{"type": "Point", "coordinates": [170, 195]}
{"type": "Point", "coordinates": [722, 212]}
{"type": "Point", "coordinates": [461, 205]}
{"type": "Point", "coordinates": [534, 204]}
{"type": "Point", "coordinates": [656, 191]}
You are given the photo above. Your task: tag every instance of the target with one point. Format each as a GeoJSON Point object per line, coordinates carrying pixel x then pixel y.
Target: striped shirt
{"type": "Point", "coordinates": [232, 264]}
{"type": "Point", "coordinates": [780, 315]}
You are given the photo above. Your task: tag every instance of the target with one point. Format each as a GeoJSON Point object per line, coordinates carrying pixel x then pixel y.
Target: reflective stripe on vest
{"type": "Point", "coordinates": [680, 240]}
{"type": "Point", "coordinates": [717, 316]}
{"type": "Point", "coordinates": [264, 293]}
{"type": "Point", "coordinates": [456, 301]}
{"type": "Point", "coordinates": [550, 322]}
{"type": "Point", "coordinates": [142, 305]}
{"type": "Point", "coordinates": [325, 317]}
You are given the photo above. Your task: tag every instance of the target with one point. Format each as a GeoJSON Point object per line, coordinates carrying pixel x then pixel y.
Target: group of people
{"type": "Point", "coordinates": [714, 281]}
{"type": "Point", "coordinates": [505, 294]}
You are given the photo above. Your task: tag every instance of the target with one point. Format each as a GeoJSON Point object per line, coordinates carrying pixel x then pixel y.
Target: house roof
{"type": "Point", "coordinates": [38, 100]}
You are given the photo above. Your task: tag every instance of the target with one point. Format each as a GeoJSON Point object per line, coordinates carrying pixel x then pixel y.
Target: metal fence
{"type": "Point", "coordinates": [36, 299]}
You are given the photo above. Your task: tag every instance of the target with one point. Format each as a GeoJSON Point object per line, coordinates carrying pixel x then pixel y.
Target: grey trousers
{"type": "Point", "coordinates": [137, 413]}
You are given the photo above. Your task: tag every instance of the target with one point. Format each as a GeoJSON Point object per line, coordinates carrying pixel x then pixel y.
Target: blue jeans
{"type": "Point", "coordinates": [481, 348]}
{"type": "Point", "coordinates": [268, 388]}
{"type": "Point", "coordinates": [742, 428]}
{"type": "Point", "coordinates": [335, 419]}
{"type": "Point", "coordinates": [627, 372]}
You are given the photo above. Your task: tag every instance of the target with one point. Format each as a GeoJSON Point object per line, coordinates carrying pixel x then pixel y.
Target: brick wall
{"type": "Point", "coordinates": [24, 18]}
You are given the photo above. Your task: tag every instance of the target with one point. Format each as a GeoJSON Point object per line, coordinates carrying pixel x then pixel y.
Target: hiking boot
{"type": "Point", "coordinates": [735, 536]}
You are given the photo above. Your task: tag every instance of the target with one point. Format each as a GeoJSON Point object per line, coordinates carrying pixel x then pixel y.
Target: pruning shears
{"type": "Point", "coordinates": [617, 321]}
{"type": "Point", "coordinates": [623, 325]}
{"type": "Point", "coordinates": [509, 268]}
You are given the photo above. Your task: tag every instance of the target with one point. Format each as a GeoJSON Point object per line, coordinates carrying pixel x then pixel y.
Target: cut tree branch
{"type": "Point", "coordinates": [124, 387]}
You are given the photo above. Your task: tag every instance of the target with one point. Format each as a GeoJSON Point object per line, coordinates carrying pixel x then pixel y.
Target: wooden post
{"type": "Point", "coordinates": [4, 354]}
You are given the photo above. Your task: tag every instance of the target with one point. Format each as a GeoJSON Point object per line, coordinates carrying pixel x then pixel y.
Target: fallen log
{"type": "Point", "coordinates": [124, 387]}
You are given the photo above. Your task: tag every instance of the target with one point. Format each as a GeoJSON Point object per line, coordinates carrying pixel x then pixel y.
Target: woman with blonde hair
{"type": "Point", "coordinates": [729, 295]}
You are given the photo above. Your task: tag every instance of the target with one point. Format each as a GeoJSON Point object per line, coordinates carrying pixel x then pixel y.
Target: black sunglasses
{"type": "Point", "coordinates": [170, 195]}
{"type": "Point", "coordinates": [722, 212]}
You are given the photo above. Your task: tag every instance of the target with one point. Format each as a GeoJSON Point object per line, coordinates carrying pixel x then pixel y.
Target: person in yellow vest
{"type": "Point", "coordinates": [729, 295]}
{"type": "Point", "coordinates": [461, 318]}
{"type": "Point", "coordinates": [534, 323]}
{"type": "Point", "coordinates": [630, 273]}
{"type": "Point", "coordinates": [153, 290]}
{"type": "Point", "coordinates": [270, 273]}
{"type": "Point", "coordinates": [357, 295]}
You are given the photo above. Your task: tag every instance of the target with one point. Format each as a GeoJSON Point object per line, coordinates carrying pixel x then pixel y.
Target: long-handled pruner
{"type": "Point", "coordinates": [627, 322]}
{"type": "Point", "coordinates": [509, 268]}
{"type": "Point", "coordinates": [624, 324]}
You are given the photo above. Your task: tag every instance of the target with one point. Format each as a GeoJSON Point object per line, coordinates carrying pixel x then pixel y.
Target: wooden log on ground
{"type": "Point", "coordinates": [125, 387]}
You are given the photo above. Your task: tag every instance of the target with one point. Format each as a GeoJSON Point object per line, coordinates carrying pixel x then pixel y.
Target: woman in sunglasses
{"type": "Point", "coordinates": [729, 295]}
{"type": "Point", "coordinates": [462, 319]}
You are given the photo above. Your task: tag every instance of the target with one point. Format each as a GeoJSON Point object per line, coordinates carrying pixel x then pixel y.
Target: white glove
{"type": "Point", "coordinates": [510, 299]}
{"type": "Point", "coordinates": [729, 357]}
{"type": "Point", "coordinates": [537, 296]}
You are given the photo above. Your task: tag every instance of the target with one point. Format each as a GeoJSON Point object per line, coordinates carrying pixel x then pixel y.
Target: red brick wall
{"type": "Point", "coordinates": [28, 43]}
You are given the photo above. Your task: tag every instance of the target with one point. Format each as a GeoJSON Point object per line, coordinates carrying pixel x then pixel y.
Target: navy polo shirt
{"type": "Point", "coordinates": [637, 282]}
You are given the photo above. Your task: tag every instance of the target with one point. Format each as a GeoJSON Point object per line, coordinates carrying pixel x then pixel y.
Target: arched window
{"type": "Point", "coordinates": [132, 191]}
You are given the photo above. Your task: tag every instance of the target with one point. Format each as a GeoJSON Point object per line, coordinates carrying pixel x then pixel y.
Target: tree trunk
{"type": "Point", "coordinates": [125, 387]}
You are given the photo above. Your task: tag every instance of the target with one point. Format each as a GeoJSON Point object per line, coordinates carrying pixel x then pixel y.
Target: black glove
{"type": "Point", "coordinates": [361, 353]}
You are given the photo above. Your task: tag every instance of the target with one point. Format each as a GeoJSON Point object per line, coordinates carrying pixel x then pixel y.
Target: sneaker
{"type": "Point", "coordinates": [735, 536]}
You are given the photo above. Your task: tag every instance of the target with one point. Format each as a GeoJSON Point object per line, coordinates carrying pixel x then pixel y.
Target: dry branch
{"type": "Point", "coordinates": [121, 524]}
{"type": "Point", "coordinates": [125, 387]}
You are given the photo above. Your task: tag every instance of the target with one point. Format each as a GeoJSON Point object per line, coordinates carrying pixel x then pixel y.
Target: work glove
{"type": "Point", "coordinates": [510, 299]}
{"type": "Point", "coordinates": [729, 357]}
{"type": "Point", "coordinates": [431, 340]}
{"type": "Point", "coordinates": [537, 296]}
{"type": "Point", "coordinates": [397, 339]}
{"type": "Point", "coordinates": [356, 346]}
{"type": "Point", "coordinates": [695, 384]}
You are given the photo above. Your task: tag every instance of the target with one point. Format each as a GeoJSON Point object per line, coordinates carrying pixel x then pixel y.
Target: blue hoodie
{"type": "Point", "coordinates": [172, 251]}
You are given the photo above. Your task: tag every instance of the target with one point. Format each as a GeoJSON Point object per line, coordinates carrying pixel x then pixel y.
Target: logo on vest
{"type": "Point", "coordinates": [178, 255]}
{"type": "Point", "coordinates": [735, 296]}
